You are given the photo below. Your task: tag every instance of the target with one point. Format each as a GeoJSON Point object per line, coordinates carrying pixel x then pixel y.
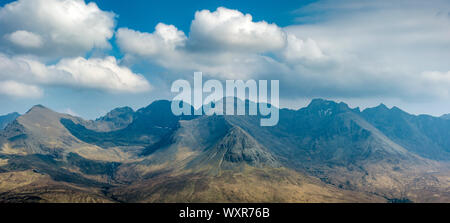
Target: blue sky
{"type": "Point", "coordinates": [145, 14]}
{"type": "Point", "coordinates": [88, 57]}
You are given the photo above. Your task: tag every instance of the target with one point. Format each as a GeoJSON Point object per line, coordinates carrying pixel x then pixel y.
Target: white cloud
{"type": "Point", "coordinates": [223, 30]}
{"type": "Point", "coordinates": [439, 82]}
{"type": "Point", "coordinates": [298, 50]}
{"type": "Point", "coordinates": [69, 111]}
{"type": "Point", "coordinates": [19, 90]}
{"type": "Point", "coordinates": [25, 39]}
{"type": "Point", "coordinates": [94, 73]}
{"type": "Point", "coordinates": [102, 73]}
{"type": "Point", "coordinates": [224, 43]}
{"type": "Point", "coordinates": [55, 27]}
{"type": "Point", "coordinates": [227, 29]}
{"type": "Point", "coordinates": [166, 38]}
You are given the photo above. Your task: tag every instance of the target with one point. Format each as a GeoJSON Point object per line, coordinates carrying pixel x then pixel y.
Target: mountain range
{"type": "Point", "coordinates": [324, 152]}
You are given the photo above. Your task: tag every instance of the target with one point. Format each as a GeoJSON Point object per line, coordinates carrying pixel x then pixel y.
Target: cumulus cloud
{"type": "Point", "coordinates": [34, 32]}
{"type": "Point", "coordinates": [225, 43]}
{"type": "Point", "coordinates": [25, 39]}
{"type": "Point", "coordinates": [298, 49]}
{"type": "Point", "coordinates": [94, 73]}
{"type": "Point", "coordinates": [165, 39]}
{"type": "Point", "coordinates": [19, 90]}
{"type": "Point", "coordinates": [102, 73]}
{"type": "Point", "coordinates": [54, 28]}
{"type": "Point", "coordinates": [223, 31]}
{"type": "Point", "coordinates": [227, 29]}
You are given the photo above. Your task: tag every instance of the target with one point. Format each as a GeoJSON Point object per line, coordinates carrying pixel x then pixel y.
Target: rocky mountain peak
{"type": "Point", "coordinates": [37, 107]}
{"type": "Point", "coordinates": [324, 107]}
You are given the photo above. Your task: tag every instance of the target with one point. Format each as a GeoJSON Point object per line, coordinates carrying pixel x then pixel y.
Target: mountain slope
{"type": "Point", "coordinates": [210, 160]}
{"type": "Point", "coordinates": [37, 146]}
{"type": "Point", "coordinates": [424, 135]}
{"type": "Point", "coordinates": [38, 131]}
{"type": "Point", "coordinates": [335, 143]}
{"type": "Point", "coordinates": [116, 119]}
{"type": "Point", "coordinates": [147, 127]}
{"type": "Point", "coordinates": [6, 119]}
{"type": "Point", "coordinates": [325, 152]}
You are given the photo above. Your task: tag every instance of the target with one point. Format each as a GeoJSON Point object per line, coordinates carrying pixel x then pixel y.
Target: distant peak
{"type": "Point", "coordinates": [383, 109]}
{"type": "Point", "coordinates": [158, 105]}
{"type": "Point", "coordinates": [380, 107]}
{"type": "Point", "coordinates": [383, 106]}
{"type": "Point", "coordinates": [397, 109]}
{"type": "Point", "coordinates": [125, 109]}
{"type": "Point", "coordinates": [121, 112]}
{"type": "Point", "coordinates": [320, 101]}
{"type": "Point", "coordinates": [39, 106]}
{"type": "Point", "coordinates": [323, 103]}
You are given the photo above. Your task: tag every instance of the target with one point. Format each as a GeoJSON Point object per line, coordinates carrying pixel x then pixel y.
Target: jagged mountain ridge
{"type": "Point", "coordinates": [424, 135]}
{"type": "Point", "coordinates": [8, 118]}
{"type": "Point", "coordinates": [342, 147]}
{"type": "Point", "coordinates": [116, 119]}
{"type": "Point", "coordinates": [335, 143]}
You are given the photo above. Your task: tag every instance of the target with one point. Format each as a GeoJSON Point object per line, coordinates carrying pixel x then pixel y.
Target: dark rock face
{"type": "Point", "coordinates": [116, 119]}
{"type": "Point", "coordinates": [239, 147]}
{"type": "Point", "coordinates": [6, 119]}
